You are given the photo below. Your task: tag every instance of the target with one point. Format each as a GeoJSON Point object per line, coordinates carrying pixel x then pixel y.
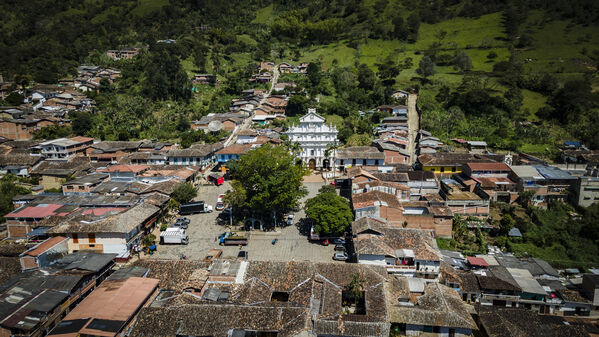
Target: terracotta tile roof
{"type": "Point", "coordinates": [39, 211]}
{"type": "Point", "coordinates": [125, 168]}
{"type": "Point", "coordinates": [489, 167]}
{"type": "Point", "coordinates": [235, 149]}
{"type": "Point", "coordinates": [520, 322]}
{"type": "Point", "coordinates": [391, 239]}
{"type": "Point", "coordinates": [360, 152]}
{"type": "Point", "coordinates": [439, 306]}
{"type": "Point", "coordinates": [370, 198]}
{"type": "Point", "coordinates": [114, 300]}
{"type": "Point", "coordinates": [44, 246]}
{"type": "Point", "coordinates": [477, 261]}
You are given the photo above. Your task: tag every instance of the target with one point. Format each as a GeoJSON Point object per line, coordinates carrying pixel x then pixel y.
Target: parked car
{"type": "Point", "coordinates": [339, 241]}
{"type": "Point", "coordinates": [341, 256]}
{"type": "Point", "coordinates": [290, 219]}
{"type": "Point", "coordinates": [242, 255]}
{"type": "Point", "coordinates": [219, 203]}
{"type": "Point", "coordinates": [179, 225]}
{"type": "Point", "coordinates": [340, 248]}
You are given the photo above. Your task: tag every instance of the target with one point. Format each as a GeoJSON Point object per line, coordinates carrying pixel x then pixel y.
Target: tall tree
{"type": "Point", "coordinates": [81, 122]}
{"type": "Point", "coordinates": [329, 212]}
{"type": "Point", "coordinates": [366, 77]}
{"type": "Point", "coordinates": [463, 61]}
{"type": "Point", "coordinates": [314, 73]}
{"type": "Point", "coordinates": [426, 67]}
{"type": "Point", "coordinates": [185, 192]}
{"type": "Point", "coordinates": [269, 178]}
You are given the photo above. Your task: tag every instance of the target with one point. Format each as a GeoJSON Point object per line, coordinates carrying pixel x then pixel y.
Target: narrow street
{"type": "Point", "coordinates": [246, 124]}
{"type": "Point", "coordinates": [413, 126]}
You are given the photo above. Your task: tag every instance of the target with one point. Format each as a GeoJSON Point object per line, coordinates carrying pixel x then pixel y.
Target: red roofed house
{"type": "Point", "coordinates": [108, 310]}
{"type": "Point", "coordinates": [42, 254]}
{"type": "Point", "coordinates": [22, 221]}
{"type": "Point", "coordinates": [477, 262]}
{"type": "Point", "coordinates": [493, 179]}
{"type": "Point", "coordinates": [414, 215]}
{"type": "Point", "coordinates": [486, 169]}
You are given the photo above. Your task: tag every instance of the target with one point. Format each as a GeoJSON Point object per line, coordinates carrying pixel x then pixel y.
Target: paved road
{"type": "Point", "coordinates": [248, 121]}
{"type": "Point", "coordinates": [292, 244]}
{"type": "Point", "coordinates": [413, 126]}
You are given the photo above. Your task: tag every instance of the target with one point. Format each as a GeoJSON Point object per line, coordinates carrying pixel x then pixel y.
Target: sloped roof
{"type": "Point", "coordinates": [44, 246]}
{"type": "Point", "coordinates": [360, 152]}
{"type": "Point", "coordinates": [488, 167]}
{"type": "Point", "coordinates": [371, 198]}
{"type": "Point", "coordinates": [197, 150]}
{"type": "Point", "coordinates": [520, 322]}
{"type": "Point", "coordinates": [367, 223]}
{"type": "Point", "coordinates": [61, 168]}
{"type": "Point", "coordinates": [113, 146]}
{"type": "Point", "coordinates": [441, 158]}
{"type": "Point", "coordinates": [16, 159]}
{"type": "Point", "coordinates": [367, 244]}
{"type": "Point", "coordinates": [439, 306]}
{"type": "Point", "coordinates": [392, 239]}
{"type": "Point", "coordinates": [121, 223]}
{"type": "Point", "coordinates": [235, 149]}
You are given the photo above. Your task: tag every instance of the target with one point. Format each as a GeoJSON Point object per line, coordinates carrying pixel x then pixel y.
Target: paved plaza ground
{"type": "Point", "coordinates": [292, 242]}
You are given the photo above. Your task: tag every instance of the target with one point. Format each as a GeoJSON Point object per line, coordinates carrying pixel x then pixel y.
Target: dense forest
{"type": "Point", "coordinates": [519, 74]}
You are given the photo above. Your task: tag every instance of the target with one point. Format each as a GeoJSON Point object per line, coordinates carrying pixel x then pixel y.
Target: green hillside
{"type": "Point", "coordinates": [482, 68]}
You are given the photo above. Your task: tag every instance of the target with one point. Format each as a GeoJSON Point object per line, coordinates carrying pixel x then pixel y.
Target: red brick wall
{"type": "Point", "coordinates": [28, 262]}
{"type": "Point", "coordinates": [392, 157]}
{"type": "Point", "coordinates": [18, 230]}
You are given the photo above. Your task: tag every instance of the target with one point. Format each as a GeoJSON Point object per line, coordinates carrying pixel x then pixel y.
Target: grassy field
{"type": "Point", "coordinates": [558, 46]}
{"type": "Point", "coordinates": [477, 37]}
{"type": "Point", "coordinates": [533, 101]}
{"type": "Point", "coordinates": [264, 15]}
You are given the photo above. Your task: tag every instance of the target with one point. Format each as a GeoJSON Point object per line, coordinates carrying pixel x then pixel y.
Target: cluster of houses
{"type": "Point", "coordinates": [44, 105]}
{"type": "Point", "coordinates": [86, 293]}
{"type": "Point", "coordinates": [89, 77]}
{"type": "Point", "coordinates": [96, 200]}
{"type": "Point", "coordinates": [123, 54]}
{"type": "Point", "coordinates": [100, 196]}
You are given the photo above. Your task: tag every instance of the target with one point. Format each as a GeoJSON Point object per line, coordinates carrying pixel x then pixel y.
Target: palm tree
{"type": "Point", "coordinates": [293, 147]}
{"type": "Point", "coordinates": [332, 148]}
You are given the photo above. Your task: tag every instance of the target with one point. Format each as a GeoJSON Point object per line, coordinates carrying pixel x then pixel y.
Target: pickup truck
{"type": "Point", "coordinates": [194, 207]}
{"type": "Point", "coordinates": [174, 236]}
{"type": "Point", "coordinates": [233, 239]}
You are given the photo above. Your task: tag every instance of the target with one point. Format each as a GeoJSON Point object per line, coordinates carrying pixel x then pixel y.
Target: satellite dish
{"type": "Point", "coordinates": [215, 126]}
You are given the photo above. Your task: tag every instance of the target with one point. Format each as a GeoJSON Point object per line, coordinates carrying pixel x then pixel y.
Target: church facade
{"type": "Point", "coordinates": [314, 137]}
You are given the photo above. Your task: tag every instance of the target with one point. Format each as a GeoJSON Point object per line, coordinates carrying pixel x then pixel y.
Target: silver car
{"type": "Point", "coordinates": [340, 256]}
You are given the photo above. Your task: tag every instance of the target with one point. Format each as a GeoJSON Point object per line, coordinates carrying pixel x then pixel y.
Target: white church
{"type": "Point", "coordinates": [313, 137]}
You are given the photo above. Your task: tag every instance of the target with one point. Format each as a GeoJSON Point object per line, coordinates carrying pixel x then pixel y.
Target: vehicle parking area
{"type": "Point", "coordinates": [292, 243]}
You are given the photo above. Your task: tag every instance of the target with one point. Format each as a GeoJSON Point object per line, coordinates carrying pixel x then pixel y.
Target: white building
{"type": "Point", "coordinates": [314, 137]}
